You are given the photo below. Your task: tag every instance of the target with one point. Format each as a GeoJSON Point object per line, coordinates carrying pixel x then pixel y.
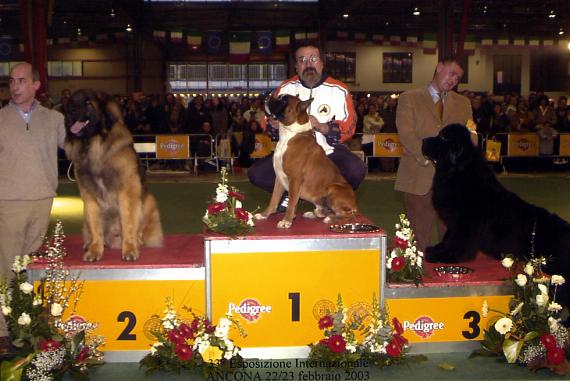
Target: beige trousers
{"type": "Point", "coordinates": [422, 215]}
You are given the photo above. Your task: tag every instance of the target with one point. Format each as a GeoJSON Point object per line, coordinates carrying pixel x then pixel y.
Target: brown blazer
{"type": "Point", "coordinates": [417, 118]}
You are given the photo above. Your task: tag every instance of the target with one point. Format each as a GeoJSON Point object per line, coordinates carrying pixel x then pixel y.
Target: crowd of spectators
{"type": "Point", "coordinates": [239, 119]}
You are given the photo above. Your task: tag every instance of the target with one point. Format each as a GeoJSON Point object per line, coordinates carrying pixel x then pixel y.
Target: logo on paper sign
{"type": "Point", "coordinates": [389, 145]}
{"type": "Point", "coordinates": [524, 144]}
{"type": "Point", "coordinates": [424, 326]}
{"type": "Point", "coordinates": [171, 145]}
{"type": "Point", "coordinates": [249, 309]}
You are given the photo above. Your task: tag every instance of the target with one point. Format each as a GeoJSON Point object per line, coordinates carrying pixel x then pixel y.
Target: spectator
{"type": "Point", "coordinates": [372, 125]}
{"type": "Point", "coordinates": [544, 114]}
{"type": "Point", "coordinates": [248, 143]}
{"type": "Point", "coordinates": [521, 120]}
{"type": "Point", "coordinates": [219, 118]}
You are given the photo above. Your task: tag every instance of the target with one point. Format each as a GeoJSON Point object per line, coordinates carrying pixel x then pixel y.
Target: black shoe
{"type": "Point", "coordinates": [283, 203]}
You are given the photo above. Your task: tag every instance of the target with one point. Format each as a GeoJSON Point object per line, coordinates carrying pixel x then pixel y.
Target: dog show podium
{"type": "Point", "coordinates": [277, 283]}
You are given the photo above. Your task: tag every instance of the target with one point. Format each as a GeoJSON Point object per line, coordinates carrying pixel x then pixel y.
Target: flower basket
{"type": "Point", "coordinates": [405, 263]}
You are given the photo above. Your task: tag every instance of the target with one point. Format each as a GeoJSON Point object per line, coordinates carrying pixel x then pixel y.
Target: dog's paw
{"type": "Point", "coordinates": [329, 219]}
{"type": "Point", "coordinates": [284, 224]}
{"type": "Point", "coordinates": [310, 215]}
{"type": "Point", "coordinates": [259, 216]}
{"type": "Point", "coordinates": [131, 255]}
{"type": "Point", "coordinates": [92, 255]}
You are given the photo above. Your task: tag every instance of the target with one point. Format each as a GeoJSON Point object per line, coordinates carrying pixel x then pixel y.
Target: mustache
{"type": "Point", "coordinates": [309, 70]}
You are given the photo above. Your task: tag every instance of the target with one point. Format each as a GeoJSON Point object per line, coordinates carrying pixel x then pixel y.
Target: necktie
{"type": "Point", "coordinates": [439, 106]}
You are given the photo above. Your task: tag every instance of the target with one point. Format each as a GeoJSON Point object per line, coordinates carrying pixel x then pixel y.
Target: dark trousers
{"type": "Point", "coordinates": [421, 214]}
{"type": "Point", "coordinates": [353, 169]}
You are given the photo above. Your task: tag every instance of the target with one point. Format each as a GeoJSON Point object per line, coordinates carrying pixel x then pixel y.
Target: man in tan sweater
{"type": "Point", "coordinates": [31, 135]}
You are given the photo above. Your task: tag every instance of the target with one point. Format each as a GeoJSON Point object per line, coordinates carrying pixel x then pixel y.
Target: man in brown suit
{"type": "Point", "coordinates": [421, 113]}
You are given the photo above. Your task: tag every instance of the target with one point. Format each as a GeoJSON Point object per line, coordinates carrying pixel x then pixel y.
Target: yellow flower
{"type": "Point", "coordinates": [212, 354]}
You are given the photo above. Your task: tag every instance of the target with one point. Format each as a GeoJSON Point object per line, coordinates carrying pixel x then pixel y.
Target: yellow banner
{"type": "Point", "coordinates": [124, 309]}
{"type": "Point", "coordinates": [263, 146]}
{"type": "Point", "coordinates": [564, 144]}
{"type": "Point", "coordinates": [493, 150]}
{"type": "Point", "coordinates": [523, 144]}
{"type": "Point", "coordinates": [280, 297]}
{"type": "Point", "coordinates": [445, 319]}
{"type": "Point", "coordinates": [172, 147]}
{"type": "Point", "coordinates": [387, 145]}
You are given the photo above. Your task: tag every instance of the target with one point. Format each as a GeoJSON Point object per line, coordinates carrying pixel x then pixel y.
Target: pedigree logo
{"type": "Point", "coordinates": [424, 326]}
{"type": "Point", "coordinates": [249, 309]}
{"type": "Point", "coordinates": [524, 144]}
{"type": "Point", "coordinates": [390, 145]}
{"type": "Point", "coordinates": [171, 145]}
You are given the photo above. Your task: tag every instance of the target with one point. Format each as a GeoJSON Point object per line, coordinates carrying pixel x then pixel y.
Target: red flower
{"type": "Point", "coordinates": [216, 207]}
{"type": "Point", "coordinates": [401, 243]}
{"type": "Point", "coordinates": [324, 341]}
{"type": "Point", "coordinates": [393, 349]}
{"type": "Point", "coordinates": [336, 344]}
{"type": "Point", "coordinates": [397, 326]}
{"type": "Point", "coordinates": [82, 355]}
{"type": "Point", "coordinates": [48, 345]}
{"type": "Point", "coordinates": [325, 322]}
{"type": "Point", "coordinates": [195, 324]}
{"type": "Point", "coordinates": [398, 263]}
{"type": "Point", "coordinates": [400, 340]}
{"type": "Point", "coordinates": [548, 341]}
{"type": "Point", "coordinates": [554, 356]}
{"type": "Point", "coordinates": [241, 214]}
{"type": "Point", "coordinates": [183, 351]}
{"type": "Point", "coordinates": [186, 331]}
{"type": "Point", "coordinates": [236, 195]}
{"type": "Point", "coordinates": [176, 337]}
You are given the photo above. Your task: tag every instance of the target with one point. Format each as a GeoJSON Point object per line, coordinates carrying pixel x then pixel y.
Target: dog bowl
{"type": "Point", "coordinates": [354, 228]}
{"type": "Point", "coordinates": [453, 273]}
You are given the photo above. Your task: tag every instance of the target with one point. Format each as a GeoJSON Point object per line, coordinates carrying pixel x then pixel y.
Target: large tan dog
{"type": "Point", "coordinates": [118, 211]}
{"type": "Point", "coordinates": [302, 168]}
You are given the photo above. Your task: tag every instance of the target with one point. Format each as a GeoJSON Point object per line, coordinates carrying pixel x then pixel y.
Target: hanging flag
{"type": "Point", "coordinates": [563, 44]}
{"type": "Point", "coordinates": [264, 41]}
{"type": "Point", "coordinates": [300, 36]}
{"type": "Point", "coordinates": [518, 43]}
{"type": "Point", "coordinates": [282, 40]}
{"type": "Point", "coordinates": [360, 37]}
{"type": "Point", "coordinates": [312, 36]}
{"type": "Point", "coordinates": [194, 39]}
{"type": "Point", "coordinates": [176, 37]}
{"type": "Point", "coordinates": [213, 42]}
{"type": "Point", "coordinates": [378, 39]}
{"type": "Point", "coordinates": [469, 45]}
{"type": "Point", "coordinates": [533, 42]}
{"type": "Point", "coordinates": [159, 35]}
{"type": "Point", "coordinates": [412, 41]}
{"type": "Point", "coordinates": [240, 47]}
{"type": "Point", "coordinates": [6, 46]}
{"type": "Point", "coordinates": [430, 43]}
{"type": "Point", "coordinates": [503, 42]}
{"type": "Point", "coordinates": [395, 40]}
{"type": "Point", "coordinates": [548, 44]}
{"type": "Point", "coordinates": [487, 43]}
{"type": "Point", "coordinates": [341, 35]}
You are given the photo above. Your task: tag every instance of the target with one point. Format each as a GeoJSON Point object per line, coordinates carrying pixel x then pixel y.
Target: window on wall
{"type": "Point", "coordinates": [257, 77]}
{"type": "Point", "coordinates": [549, 71]}
{"type": "Point", "coordinates": [397, 67]}
{"type": "Point", "coordinates": [65, 68]}
{"type": "Point", "coordinates": [342, 66]}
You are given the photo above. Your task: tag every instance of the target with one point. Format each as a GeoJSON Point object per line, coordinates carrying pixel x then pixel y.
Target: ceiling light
{"type": "Point", "coordinates": [561, 31]}
{"type": "Point", "coordinates": [79, 31]}
{"type": "Point", "coordinates": [416, 11]}
{"type": "Point", "coordinates": [112, 12]}
{"type": "Point", "coordinates": [129, 29]}
{"type": "Point", "coordinates": [484, 9]}
{"type": "Point", "coordinates": [552, 15]}
{"type": "Point", "coordinates": [345, 15]}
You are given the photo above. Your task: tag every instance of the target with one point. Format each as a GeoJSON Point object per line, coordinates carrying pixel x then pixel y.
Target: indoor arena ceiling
{"type": "Point", "coordinates": [487, 18]}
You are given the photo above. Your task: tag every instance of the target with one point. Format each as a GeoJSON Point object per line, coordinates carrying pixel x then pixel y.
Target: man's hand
{"type": "Point", "coordinates": [316, 125]}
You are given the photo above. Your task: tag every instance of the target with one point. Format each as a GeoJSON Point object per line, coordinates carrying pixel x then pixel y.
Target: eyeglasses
{"type": "Point", "coordinates": [311, 59]}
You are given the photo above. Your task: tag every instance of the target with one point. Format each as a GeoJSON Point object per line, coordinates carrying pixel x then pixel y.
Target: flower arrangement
{"type": "Point", "coordinates": [530, 333]}
{"type": "Point", "coordinates": [45, 346]}
{"type": "Point", "coordinates": [405, 263]}
{"type": "Point", "coordinates": [192, 344]}
{"type": "Point", "coordinates": [226, 214]}
{"type": "Point", "coordinates": [383, 343]}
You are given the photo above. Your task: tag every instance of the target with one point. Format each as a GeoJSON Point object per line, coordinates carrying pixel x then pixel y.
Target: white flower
{"type": "Point", "coordinates": [238, 204]}
{"type": "Point", "coordinates": [542, 300]}
{"type": "Point", "coordinates": [557, 280]}
{"type": "Point", "coordinates": [56, 309]}
{"type": "Point", "coordinates": [26, 288]}
{"type": "Point", "coordinates": [485, 309]}
{"type": "Point", "coordinates": [521, 280]}
{"type": "Point", "coordinates": [553, 324]}
{"type": "Point", "coordinates": [529, 269]}
{"type": "Point", "coordinates": [37, 301]}
{"type": "Point", "coordinates": [503, 325]}
{"type": "Point", "coordinates": [543, 289]}
{"type": "Point", "coordinates": [507, 262]}
{"type": "Point", "coordinates": [351, 348]}
{"type": "Point", "coordinates": [24, 319]}
{"type": "Point", "coordinates": [554, 307]}
{"type": "Point", "coordinates": [221, 197]}
{"type": "Point", "coordinates": [517, 309]}
{"type": "Point", "coordinates": [154, 347]}
{"type": "Point", "coordinates": [6, 310]}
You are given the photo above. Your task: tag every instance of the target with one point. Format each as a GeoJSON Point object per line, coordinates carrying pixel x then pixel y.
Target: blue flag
{"type": "Point", "coordinates": [264, 41]}
{"type": "Point", "coordinates": [213, 42]}
{"type": "Point", "coordinates": [6, 48]}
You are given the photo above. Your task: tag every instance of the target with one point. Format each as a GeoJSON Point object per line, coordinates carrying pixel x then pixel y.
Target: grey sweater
{"type": "Point", "coordinates": [28, 153]}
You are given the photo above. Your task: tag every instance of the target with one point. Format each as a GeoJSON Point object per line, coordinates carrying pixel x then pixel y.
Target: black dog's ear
{"type": "Point", "coordinates": [111, 112]}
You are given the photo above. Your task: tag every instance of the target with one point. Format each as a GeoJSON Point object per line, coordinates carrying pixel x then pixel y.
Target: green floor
{"type": "Point", "coordinates": [182, 200]}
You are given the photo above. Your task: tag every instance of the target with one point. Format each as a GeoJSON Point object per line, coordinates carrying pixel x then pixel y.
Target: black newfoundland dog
{"type": "Point", "coordinates": [481, 215]}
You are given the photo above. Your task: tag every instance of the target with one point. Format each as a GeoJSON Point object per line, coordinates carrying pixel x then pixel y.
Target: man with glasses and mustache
{"type": "Point", "coordinates": [332, 116]}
